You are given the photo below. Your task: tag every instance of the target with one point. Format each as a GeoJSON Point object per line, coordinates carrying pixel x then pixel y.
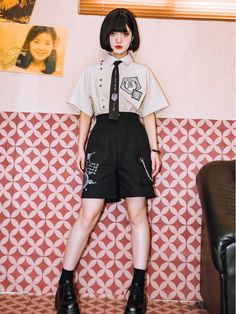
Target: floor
{"type": "Point", "coordinates": [23, 304]}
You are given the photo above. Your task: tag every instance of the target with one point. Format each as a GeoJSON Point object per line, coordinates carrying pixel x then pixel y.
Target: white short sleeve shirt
{"type": "Point", "coordinates": [139, 91]}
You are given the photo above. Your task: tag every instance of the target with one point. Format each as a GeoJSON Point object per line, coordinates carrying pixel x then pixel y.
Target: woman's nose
{"type": "Point", "coordinates": [118, 37]}
{"type": "Point", "coordinates": [41, 47]}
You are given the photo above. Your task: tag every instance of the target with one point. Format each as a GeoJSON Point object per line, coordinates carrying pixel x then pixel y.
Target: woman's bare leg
{"type": "Point", "coordinates": [140, 230]}
{"type": "Point", "coordinates": [88, 216]}
{"type": "Point", "coordinates": [66, 298]}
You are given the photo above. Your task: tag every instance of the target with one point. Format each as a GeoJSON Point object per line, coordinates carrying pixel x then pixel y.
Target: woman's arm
{"type": "Point", "coordinates": [84, 126]}
{"type": "Point", "coordinates": [150, 127]}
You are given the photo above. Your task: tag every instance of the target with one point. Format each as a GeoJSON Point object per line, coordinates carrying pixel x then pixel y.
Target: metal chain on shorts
{"type": "Point", "coordinates": [145, 168]}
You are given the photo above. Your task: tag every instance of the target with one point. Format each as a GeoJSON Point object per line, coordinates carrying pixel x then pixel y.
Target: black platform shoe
{"type": "Point", "coordinates": [66, 299]}
{"type": "Point", "coordinates": [137, 301]}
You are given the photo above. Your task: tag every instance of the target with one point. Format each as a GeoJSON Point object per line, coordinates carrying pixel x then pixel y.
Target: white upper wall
{"type": "Point", "coordinates": [194, 62]}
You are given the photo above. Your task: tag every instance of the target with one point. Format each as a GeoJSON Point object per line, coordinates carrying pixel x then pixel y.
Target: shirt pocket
{"type": "Point", "coordinates": [143, 160]}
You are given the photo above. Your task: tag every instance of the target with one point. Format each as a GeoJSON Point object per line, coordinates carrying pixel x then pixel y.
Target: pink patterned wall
{"type": "Point", "coordinates": [40, 190]}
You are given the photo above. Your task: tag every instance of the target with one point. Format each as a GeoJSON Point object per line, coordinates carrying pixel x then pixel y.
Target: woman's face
{"type": "Point", "coordinates": [120, 43]}
{"type": "Point", "coordinates": [41, 46]}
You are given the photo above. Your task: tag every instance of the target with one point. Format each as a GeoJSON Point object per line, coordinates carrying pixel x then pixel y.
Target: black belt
{"type": "Point", "coordinates": [122, 115]}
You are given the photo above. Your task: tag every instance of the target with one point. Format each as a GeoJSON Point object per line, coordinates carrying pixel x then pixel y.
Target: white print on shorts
{"type": "Point", "coordinates": [90, 168]}
{"type": "Point", "coordinates": [132, 86]}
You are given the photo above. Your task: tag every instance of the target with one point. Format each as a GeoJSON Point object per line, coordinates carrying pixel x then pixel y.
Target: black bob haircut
{"type": "Point", "coordinates": [116, 21]}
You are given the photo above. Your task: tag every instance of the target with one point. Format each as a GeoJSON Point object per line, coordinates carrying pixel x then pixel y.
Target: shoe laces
{"type": "Point", "coordinates": [68, 289]}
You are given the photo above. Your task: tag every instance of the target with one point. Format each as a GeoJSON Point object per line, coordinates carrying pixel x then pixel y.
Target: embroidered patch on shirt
{"type": "Point", "coordinates": [132, 86]}
{"type": "Point", "coordinates": [136, 94]}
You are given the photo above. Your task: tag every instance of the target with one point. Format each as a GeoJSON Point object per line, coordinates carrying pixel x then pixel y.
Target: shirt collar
{"type": "Point", "coordinates": [126, 59]}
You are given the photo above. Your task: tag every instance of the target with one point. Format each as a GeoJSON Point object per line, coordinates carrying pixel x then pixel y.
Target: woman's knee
{"type": "Point", "coordinates": [89, 214]}
{"type": "Point", "coordinates": [137, 216]}
{"type": "Point", "coordinates": [137, 210]}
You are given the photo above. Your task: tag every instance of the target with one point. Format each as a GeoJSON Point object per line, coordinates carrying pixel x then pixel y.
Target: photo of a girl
{"type": "Point", "coordinates": [32, 49]}
{"type": "Point", "coordinates": [38, 53]}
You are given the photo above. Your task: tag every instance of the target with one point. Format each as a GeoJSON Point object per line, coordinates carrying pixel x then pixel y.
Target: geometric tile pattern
{"type": "Point", "coordinates": [40, 195]}
{"type": "Point", "coordinates": [19, 304]}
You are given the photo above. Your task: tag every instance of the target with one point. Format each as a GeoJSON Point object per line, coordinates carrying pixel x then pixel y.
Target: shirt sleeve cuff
{"type": "Point", "coordinates": [79, 109]}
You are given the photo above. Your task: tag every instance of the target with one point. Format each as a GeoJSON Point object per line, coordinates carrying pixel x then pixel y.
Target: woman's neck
{"type": "Point", "coordinates": [120, 55]}
{"type": "Point", "coordinates": [36, 66]}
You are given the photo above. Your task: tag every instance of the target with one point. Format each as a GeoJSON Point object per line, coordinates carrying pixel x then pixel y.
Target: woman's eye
{"type": "Point", "coordinates": [112, 34]}
{"type": "Point", "coordinates": [126, 34]}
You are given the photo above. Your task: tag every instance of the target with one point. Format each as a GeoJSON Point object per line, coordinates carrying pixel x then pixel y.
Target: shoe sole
{"type": "Point", "coordinates": [142, 311]}
{"type": "Point", "coordinates": [68, 311]}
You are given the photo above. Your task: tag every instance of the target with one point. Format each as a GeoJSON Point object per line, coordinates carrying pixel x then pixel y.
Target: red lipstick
{"type": "Point", "coordinates": [118, 47]}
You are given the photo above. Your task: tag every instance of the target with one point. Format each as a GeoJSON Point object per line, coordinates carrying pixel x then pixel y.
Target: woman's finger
{"type": "Point", "coordinates": [156, 167]}
{"type": "Point", "coordinates": [82, 163]}
{"type": "Point", "coordinates": [79, 164]}
{"type": "Point", "coordinates": [155, 171]}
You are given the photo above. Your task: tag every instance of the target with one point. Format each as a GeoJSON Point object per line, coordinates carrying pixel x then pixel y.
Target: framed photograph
{"type": "Point", "coordinates": [32, 49]}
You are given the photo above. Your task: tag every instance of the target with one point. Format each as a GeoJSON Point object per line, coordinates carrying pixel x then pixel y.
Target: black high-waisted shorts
{"type": "Point", "coordinates": [118, 163]}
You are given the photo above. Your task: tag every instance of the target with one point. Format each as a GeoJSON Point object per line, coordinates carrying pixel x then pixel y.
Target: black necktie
{"type": "Point", "coordinates": [114, 93]}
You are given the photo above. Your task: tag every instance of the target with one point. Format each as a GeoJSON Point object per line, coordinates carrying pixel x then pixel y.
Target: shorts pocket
{"type": "Point", "coordinates": [144, 166]}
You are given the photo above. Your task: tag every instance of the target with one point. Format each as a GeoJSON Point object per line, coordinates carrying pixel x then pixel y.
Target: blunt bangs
{"type": "Point", "coordinates": [119, 24]}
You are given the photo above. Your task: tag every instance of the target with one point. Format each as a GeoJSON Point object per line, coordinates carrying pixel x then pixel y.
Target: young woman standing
{"type": "Point", "coordinates": [120, 158]}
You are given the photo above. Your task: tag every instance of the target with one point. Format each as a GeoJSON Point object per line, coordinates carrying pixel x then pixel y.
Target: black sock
{"type": "Point", "coordinates": [66, 275]}
{"type": "Point", "coordinates": [139, 277]}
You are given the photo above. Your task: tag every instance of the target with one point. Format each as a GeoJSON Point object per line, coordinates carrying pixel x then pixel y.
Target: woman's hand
{"type": "Point", "coordinates": [150, 127]}
{"type": "Point", "coordinates": [156, 163]}
{"type": "Point", "coordinates": [80, 160]}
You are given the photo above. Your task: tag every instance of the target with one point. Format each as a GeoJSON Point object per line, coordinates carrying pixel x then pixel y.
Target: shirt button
{"type": "Point", "coordinates": [102, 99]}
{"type": "Point", "coordinates": [100, 80]}
{"type": "Point", "coordinates": [100, 85]}
{"type": "Point", "coordinates": [103, 107]}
